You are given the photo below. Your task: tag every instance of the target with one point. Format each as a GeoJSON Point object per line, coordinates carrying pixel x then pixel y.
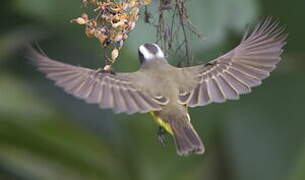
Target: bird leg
{"type": "Point", "coordinates": [161, 136]}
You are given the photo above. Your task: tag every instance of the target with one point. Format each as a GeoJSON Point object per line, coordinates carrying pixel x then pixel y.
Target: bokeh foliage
{"type": "Point", "coordinates": [47, 134]}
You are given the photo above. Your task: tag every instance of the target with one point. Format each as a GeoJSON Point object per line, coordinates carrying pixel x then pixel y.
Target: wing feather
{"type": "Point", "coordinates": [215, 91]}
{"type": "Point", "coordinates": [115, 91]}
{"type": "Point", "coordinates": [205, 97]}
{"type": "Point", "coordinates": [237, 71]}
{"type": "Point", "coordinates": [228, 90]}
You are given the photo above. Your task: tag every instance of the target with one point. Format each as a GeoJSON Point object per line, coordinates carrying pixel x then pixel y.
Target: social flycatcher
{"type": "Point", "coordinates": [165, 90]}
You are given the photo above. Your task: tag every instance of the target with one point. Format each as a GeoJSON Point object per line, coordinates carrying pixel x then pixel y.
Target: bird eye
{"type": "Point", "coordinates": [141, 57]}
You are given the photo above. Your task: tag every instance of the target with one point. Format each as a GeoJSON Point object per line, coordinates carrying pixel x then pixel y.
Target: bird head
{"type": "Point", "coordinates": [150, 52]}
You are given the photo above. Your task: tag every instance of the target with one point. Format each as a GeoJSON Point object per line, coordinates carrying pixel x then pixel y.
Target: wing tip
{"type": "Point", "coordinates": [34, 54]}
{"type": "Point", "coordinates": [271, 27]}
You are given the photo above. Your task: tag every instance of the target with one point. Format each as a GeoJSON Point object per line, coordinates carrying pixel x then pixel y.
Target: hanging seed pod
{"type": "Point", "coordinates": [114, 54]}
{"type": "Point", "coordinates": [80, 21]}
{"type": "Point", "coordinates": [107, 67]}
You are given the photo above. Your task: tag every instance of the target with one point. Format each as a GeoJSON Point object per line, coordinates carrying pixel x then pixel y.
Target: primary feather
{"type": "Point", "coordinates": [109, 91]}
{"type": "Point", "coordinates": [239, 70]}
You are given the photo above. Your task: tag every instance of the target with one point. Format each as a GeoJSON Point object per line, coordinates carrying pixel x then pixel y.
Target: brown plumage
{"type": "Point", "coordinates": [159, 87]}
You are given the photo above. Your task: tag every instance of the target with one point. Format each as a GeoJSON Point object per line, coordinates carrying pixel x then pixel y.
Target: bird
{"type": "Point", "coordinates": [167, 91]}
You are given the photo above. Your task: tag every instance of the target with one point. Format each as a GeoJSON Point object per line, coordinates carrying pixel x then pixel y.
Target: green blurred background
{"type": "Point", "coordinates": [47, 134]}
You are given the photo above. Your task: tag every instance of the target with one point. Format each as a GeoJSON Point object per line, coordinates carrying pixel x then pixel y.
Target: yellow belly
{"type": "Point", "coordinates": [162, 123]}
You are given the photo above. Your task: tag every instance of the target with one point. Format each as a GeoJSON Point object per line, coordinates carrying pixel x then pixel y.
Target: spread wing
{"type": "Point", "coordinates": [240, 69]}
{"type": "Point", "coordinates": [115, 91]}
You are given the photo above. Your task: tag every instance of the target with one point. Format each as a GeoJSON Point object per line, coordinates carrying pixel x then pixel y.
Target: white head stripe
{"type": "Point", "coordinates": [148, 55]}
{"type": "Point", "coordinates": [145, 52]}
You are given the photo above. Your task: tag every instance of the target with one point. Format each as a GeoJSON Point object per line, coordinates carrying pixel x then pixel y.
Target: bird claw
{"type": "Point", "coordinates": [161, 136]}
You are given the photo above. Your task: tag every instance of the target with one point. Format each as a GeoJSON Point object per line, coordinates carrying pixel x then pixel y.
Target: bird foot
{"type": "Point", "coordinates": [161, 136]}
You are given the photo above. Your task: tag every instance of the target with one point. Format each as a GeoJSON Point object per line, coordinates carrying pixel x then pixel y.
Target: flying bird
{"type": "Point", "coordinates": [165, 90]}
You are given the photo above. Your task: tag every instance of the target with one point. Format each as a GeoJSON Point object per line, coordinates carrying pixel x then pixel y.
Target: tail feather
{"type": "Point", "coordinates": [186, 138]}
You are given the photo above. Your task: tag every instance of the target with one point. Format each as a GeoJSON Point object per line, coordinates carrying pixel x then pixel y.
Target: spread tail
{"type": "Point", "coordinates": [186, 138]}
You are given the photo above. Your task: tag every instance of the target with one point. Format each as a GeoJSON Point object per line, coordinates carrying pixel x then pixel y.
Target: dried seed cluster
{"type": "Point", "coordinates": [112, 23]}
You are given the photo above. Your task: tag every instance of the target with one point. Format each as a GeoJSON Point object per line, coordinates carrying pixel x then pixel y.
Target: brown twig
{"type": "Point", "coordinates": [172, 21]}
{"type": "Point", "coordinates": [182, 14]}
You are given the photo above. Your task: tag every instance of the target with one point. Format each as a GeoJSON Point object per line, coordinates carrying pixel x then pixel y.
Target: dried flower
{"type": "Point", "coordinates": [101, 36]}
{"type": "Point", "coordinates": [113, 22]}
{"type": "Point", "coordinates": [80, 21]}
{"type": "Point", "coordinates": [131, 25]}
{"type": "Point", "coordinates": [118, 37]}
{"type": "Point", "coordinates": [90, 32]}
{"type": "Point", "coordinates": [134, 14]}
{"type": "Point", "coordinates": [107, 68]}
{"type": "Point", "coordinates": [114, 54]}
{"type": "Point", "coordinates": [119, 24]}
